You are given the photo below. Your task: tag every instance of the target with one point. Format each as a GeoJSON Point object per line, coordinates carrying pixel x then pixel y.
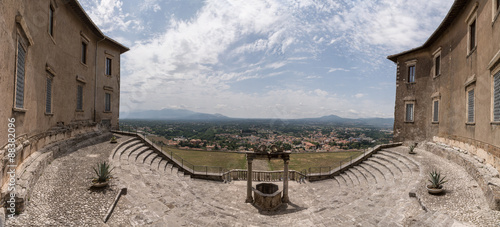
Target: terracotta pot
{"type": "Point", "coordinates": [435, 191]}
{"type": "Point", "coordinates": [97, 184]}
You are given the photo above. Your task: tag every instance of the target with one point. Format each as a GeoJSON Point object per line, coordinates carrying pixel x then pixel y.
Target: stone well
{"type": "Point", "coordinates": [267, 196]}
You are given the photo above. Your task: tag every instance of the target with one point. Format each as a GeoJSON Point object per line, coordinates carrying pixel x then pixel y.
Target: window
{"type": "Point", "coordinates": [472, 28]}
{"type": "Point", "coordinates": [48, 97]}
{"type": "Point", "coordinates": [437, 65]}
{"type": "Point", "coordinates": [409, 112]}
{"type": "Point", "coordinates": [84, 52]}
{"type": "Point", "coordinates": [21, 57]}
{"type": "Point", "coordinates": [496, 97]}
{"type": "Point", "coordinates": [496, 9]}
{"type": "Point", "coordinates": [108, 66]}
{"type": "Point", "coordinates": [51, 20]}
{"type": "Point", "coordinates": [411, 74]}
{"type": "Point", "coordinates": [470, 106]}
{"type": "Point", "coordinates": [79, 98]}
{"type": "Point", "coordinates": [435, 111]}
{"type": "Point", "coordinates": [107, 104]}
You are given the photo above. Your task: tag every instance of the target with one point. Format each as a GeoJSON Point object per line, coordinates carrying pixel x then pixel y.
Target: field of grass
{"type": "Point", "coordinates": [229, 160]}
{"type": "Point", "coordinates": [211, 158]}
{"type": "Point", "coordinates": [304, 161]}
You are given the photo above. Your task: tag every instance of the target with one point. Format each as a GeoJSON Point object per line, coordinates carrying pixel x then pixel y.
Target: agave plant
{"type": "Point", "coordinates": [412, 147]}
{"type": "Point", "coordinates": [113, 139]}
{"type": "Point", "coordinates": [103, 172]}
{"type": "Point", "coordinates": [436, 180]}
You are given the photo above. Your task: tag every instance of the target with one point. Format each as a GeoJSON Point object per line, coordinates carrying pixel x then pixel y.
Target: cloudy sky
{"type": "Point", "coordinates": [264, 58]}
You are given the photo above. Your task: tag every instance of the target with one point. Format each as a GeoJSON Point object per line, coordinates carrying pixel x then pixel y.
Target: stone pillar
{"type": "Point", "coordinates": [285, 199]}
{"type": "Point", "coordinates": [249, 180]}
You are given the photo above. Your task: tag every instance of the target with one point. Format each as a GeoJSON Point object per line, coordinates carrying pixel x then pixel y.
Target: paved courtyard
{"type": "Point", "coordinates": [376, 193]}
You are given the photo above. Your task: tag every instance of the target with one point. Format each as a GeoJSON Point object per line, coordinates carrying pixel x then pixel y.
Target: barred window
{"type": "Point", "coordinates": [79, 97]}
{"type": "Point", "coordinates": [107, 104]}
{"type": "Point", "coordinates": [21, 58]}
{"type": "Point", "coordinates": [84, 52]}
{"type": "Point", "coordinates": [409, 112]}
{"type": "Point", "coordinates": [496, 97]}
{"type": "Point", "coordinates": [48, 100]}
{"type": "Point", "coordinates": [435, 109]}
{"type": "Point", "coordinates": [108, 66]}
{"type": "Point", "coordinates": [470, 106]}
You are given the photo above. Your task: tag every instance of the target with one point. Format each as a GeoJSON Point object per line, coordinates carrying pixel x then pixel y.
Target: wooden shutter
{"type": "Point", "coordinates": [496, 97]}
{"type": "Point", "coordinates": [436, 111]}
{"type": "Point", "coordinates": [470, 105]}
{"type": "Point", "coordinates": [48, 101]}
{"type": "Point", "coordinates": [21, 56]}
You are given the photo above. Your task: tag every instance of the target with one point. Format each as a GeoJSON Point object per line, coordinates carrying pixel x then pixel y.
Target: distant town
{"type": "Point", "coordinates": [244, 135]}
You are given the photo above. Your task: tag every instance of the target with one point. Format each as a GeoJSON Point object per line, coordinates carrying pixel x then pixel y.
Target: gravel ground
{"type": "Point", "coordinates": [63, 196]}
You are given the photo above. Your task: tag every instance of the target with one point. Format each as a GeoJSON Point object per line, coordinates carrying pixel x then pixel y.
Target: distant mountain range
{"type": "Point", "coordinates": [187, 115]}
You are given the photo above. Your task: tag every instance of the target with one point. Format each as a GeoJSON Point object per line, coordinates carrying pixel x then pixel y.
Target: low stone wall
{"type": "Point", "coordinates": [33, 154]}
{"type": "Point", "coordinates": [489, 184]}
{"type": "Point", "coordinates": [484, 151]}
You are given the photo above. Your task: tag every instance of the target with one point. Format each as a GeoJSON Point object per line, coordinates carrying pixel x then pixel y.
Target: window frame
{"type": "Point", "coordinates": [467, 104]}
{"type": "Point", "coordinates": [79, 97]}
{"type": "Point", "coordinates": [411, 63]}
{"type": "Point", "coordinates": [434, 112]}
{"type": "Point", "coordinates": [49, 100]}
{"type": "Point", "coordinates": [84, 52]}
{"type": "Point", "coordinates": [437, 66]}
{"type": "Point", "coordinates": [107, 102]}
{"type": "Point", "coordinates": [495, 73]}
{"type": "Point", "coordinates": [51, 20]}
{"type": "Point", "coordinates": [108, 69]}
{"type": "Point", "coordinates": [472, 19]}
{"type": "Point", "coordinates": [20, 43]}
{"type": "Point", "coordinates": [412, 120]}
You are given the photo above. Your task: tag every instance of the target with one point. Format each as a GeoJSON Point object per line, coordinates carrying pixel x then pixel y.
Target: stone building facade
{"type": "Point", "coordinates": [448, 89]}
{"type": "Point", "coordinates": [59, 75]}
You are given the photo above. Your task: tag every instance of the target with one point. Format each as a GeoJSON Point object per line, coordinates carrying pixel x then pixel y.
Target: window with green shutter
{"type": "Point", "coordinates": [409, 112]}
{"type": "Point", "coordinates": [79, 97]}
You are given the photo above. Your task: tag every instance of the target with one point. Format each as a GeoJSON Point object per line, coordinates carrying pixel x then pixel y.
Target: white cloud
{"type": "Point", "coordinates": [109, 16]}
{"type": "Point", "coordinates": [359, 95]}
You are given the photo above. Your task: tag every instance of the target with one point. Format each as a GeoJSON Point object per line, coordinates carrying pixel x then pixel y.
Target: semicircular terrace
{"type": "Point", "coordinates": [387, 189]}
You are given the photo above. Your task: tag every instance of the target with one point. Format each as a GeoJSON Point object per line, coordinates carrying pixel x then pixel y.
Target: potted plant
{"type": "Point", "coordinates": [103, 174]}
{"type": "Point", "coordinates": [412, 148]}
{"type": "Point", "coordinates": [113, 139]}
{"type": "Point", "coordinates": [437, 182]}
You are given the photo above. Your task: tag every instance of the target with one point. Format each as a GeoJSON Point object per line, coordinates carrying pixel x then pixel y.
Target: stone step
{"type": "Point", "coordinates": [383, 167]}
{"type": "Point", "coordinates": [126, 153]}
{"type": "Point", "coordinates": [140, 157]}
{"type": "Point", "coordinates": [348, 179]}
{"type": "Point", "coordinates": [407, 166]}
{"type": "Point", "coordinates": [132, 158]}
{"type": "Point", "coordinates": [125, 145]}
{"type": "Point", "coordinates": [370, 178]}
{"type": "Point", "coordinates": [149, 158]}
{"type": "Point", "coordinates": [377, 174]}
{"type": "Point", "coordinates": [404, 157]}
{"type": "Point", "coordinates": [383, 170]}
{"type": "Point", "coordinates": [155, 162]}
{"type": "Point", "coordinates": [361, 175]}
{"type": "Point", "coordinates": [353, 176]}
{"type": "Point", "coordinates": [392, 164]}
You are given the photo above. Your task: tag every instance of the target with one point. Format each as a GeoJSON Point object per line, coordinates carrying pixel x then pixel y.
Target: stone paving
{"type": "Point", "coordinates": [62, 195]}
{"type": "Point", "coordinates": [374, 193]}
